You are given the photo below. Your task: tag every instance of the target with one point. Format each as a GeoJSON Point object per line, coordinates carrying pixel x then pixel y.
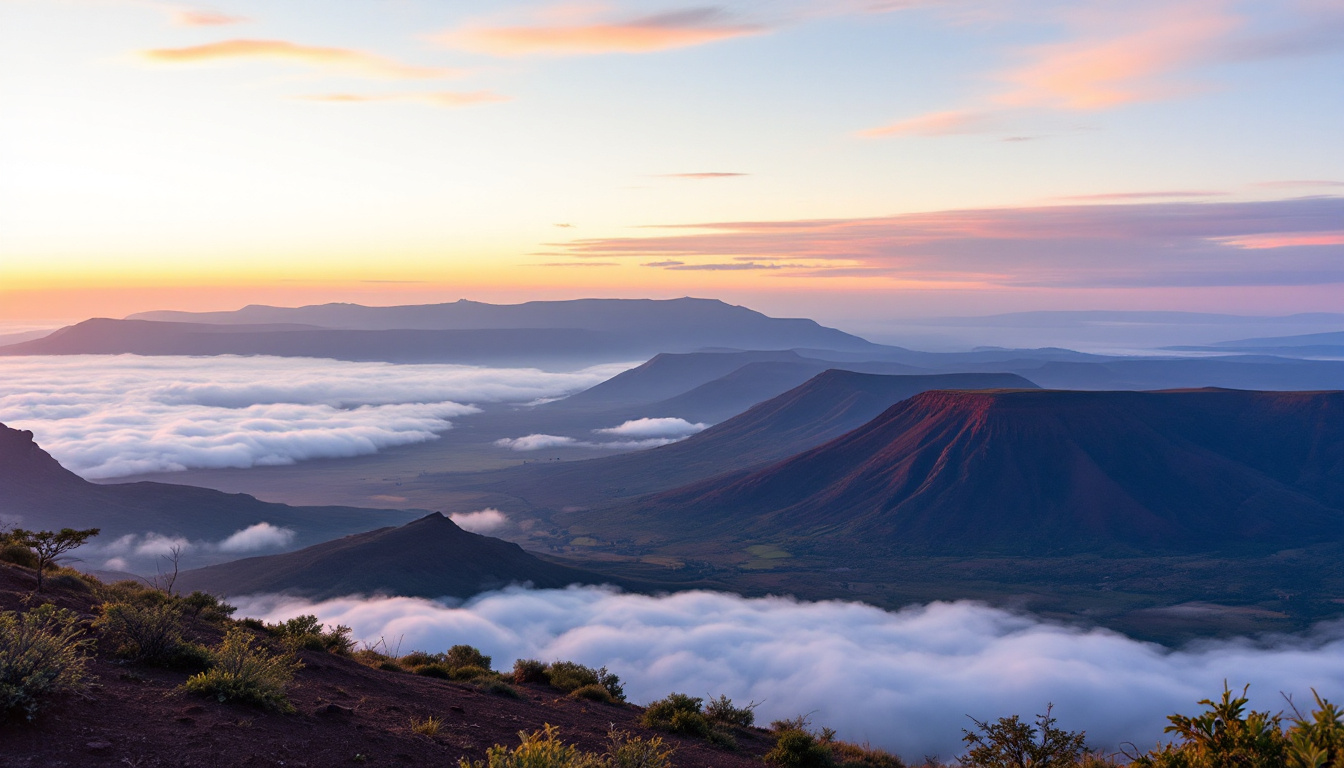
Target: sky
{"type": "Point", "coordinates": [835, 159]}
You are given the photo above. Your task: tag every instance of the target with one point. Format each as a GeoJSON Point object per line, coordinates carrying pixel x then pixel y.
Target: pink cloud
{"type": "Point", "coordinates": [646, 34]}
{"type": "Point", "coordinates": [1109, 245]}
{"type": "Point", "coordinates": [191, 17]}
{"type": "Point", "coordinates": [360, 62]}
{"type": "Point", "coordinates": [947, 123]}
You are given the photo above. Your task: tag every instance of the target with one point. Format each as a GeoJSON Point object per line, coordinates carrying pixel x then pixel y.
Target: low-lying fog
{"type": "Point", "coordinates": [111, 416]}
{"type": "Point", "coordinates": [905, 680]}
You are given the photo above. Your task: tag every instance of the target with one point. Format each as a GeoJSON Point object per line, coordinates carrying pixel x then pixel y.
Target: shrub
{"type": "Point", "coordinates": [427, 727]}
{"type": "Point", "coordinates": [1318, 741]}
{"type": "Point", "coordinates": [13, 552]}
{"type": "Point", "coordinates": [496, 687]}
{"type": "Point", "coordinates": [798, 748]}
{"type": "Point", "coordinates": [207, 607]}
{"type": "Point", "coordinates": [148, 633]}
{"type": "Point", "coordinates": [569, 676]}
{"type": "Point", "coordinates": [470, 672]}
{"type": "Point", "coordinates": [539, 749]}
{"type": "Point", "coordinates": [308, 633]}
{"type": "Point", "coordinates": [678, 713]}
{"type": "Point", "coordinates": [628, 751]}
{"type": "Point", "coordinates": [41, 655]}
{"type": "Point", "coordinates": [241, 672]}
{"type": "Point", "coordinates": [439, 671]}
{"type": "Point", "coordinates": [47, 546]}
{"type": "Point", "coordinates": [847, 755]}
{"type": "Point", "coordinates": [592, 692]}
{"type": "Point", "coordinates": [466, 656]}
{"type": "Point", "coordinates": [1010, 742]}
{"type": "Point", "coordinates": [721, 711]}
{"type": "Point", "coordinates": [530, 671]}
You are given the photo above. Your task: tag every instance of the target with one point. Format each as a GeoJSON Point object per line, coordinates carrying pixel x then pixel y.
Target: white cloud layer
{"type": "Point", "coordinates": [108, 416]}
{"type": "Point", "coordinates": [901, 680]}
{"type": "Point", "coordinates": [645, 428]}
{"type": "Point", "coordinates": [537, 442]}
{"type": "Point", "coordinates": [482, 521]}
{"type": "Point", "coordinates": [257, 537]}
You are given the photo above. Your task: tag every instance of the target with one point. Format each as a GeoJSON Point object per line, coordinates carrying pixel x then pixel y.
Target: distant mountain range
{"type": "Point", "coordinates": [431, 557]}
{"type": "Point", "coordinates": [37, 492]}
{"type": "Point", "coordinates": [1036, 473]}
{"type": "Point", "coordinates": [467, 332]}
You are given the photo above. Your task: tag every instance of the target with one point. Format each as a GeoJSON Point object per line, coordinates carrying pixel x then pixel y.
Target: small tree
{"type": "Point", "coordinates": [49, 545]}
{"type": "Point", "coordinates": [1011, 743]}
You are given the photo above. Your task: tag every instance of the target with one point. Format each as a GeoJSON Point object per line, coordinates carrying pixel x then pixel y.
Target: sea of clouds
{"type": "Point", "coordinates": [106, 416]}
{"type": "Point", "coordinates": [903, 680]}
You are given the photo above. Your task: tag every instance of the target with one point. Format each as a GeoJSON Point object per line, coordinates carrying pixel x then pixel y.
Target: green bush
{"type": "Point", "coordinates": [1318, 741]}
{"type": "Point", "coordinates": [466, 656]}
{"type": "Point", "coordinates": [798, 748]}
{"type": "Point", "coordinates": [147, 633]}
{"type": "Point", "coordinates": [439, 671]}
{"type": "Point", "coordinates": [1010, 742]}
{"type": "Point", "coordinates": [241, 672]}
{"type": "Point", "coordinates": [678, 713]}
{"type": "Point", "coordinates": [540, 749]}
{"type": "Point", "coordinates": [530, 671]}
{"type": "Point", "coordinates": [628, 751]}
{"type": "Point", "coordinates": [306, 632]}
{"type": "Point", "coordinates": [11, 552]}
{"type": "Point", "coordinates": [469, 672]}
{"type": "Point", "coordinates": [207, 607]}
{"type": "Point", "coordinates": [721, 711]}
{"type": "Point", "coordinates": [592, 692]}
{"type": "Point", "coordinates": [569, 676]}
{"type": "Point", "coordinates": [42, 654]}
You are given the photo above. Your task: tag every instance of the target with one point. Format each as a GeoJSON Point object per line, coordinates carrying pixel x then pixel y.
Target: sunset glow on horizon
{"type": "Point", "coordinates": [833, 160]}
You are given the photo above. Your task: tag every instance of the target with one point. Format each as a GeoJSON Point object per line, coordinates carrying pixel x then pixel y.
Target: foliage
{"type": "Point", "coordinates": [149, 633]}
{"type": "Point", "coordinates": [46, 546]}
{"type": "Point", "coordinates": [308, 633]}
{"type": "Point", "coordinates": [1012, 743]}
{"type": "Point", "coordinates": [1318, 741]}
{"type": "Point", "coordinates": [628, 751]}
{"type": "Point", "coordinates": [530, 671]}
{"type": "Point", "coordinates": [427, 727]}
{"type": "Point", "coordinates": [460, 656]}
{"type": "Point", "coordinates": [41, 655]}
{"type": "Point", "coordinates": [592, 692]}
{"type": "Point", "coordinates": [570, 676]}
{"type": "Point", "coordinates": [678, 713]}
{"type": "Point", "coordinates": [496, 687]}
{"type": "Point", "coordinates": [242, 672]}
{"type": "Point", "coordinates": [721, 711]}
{"type": "Point", "coordinates": [540, 749]}
{"type": "Point", "coordinates": [207, 607]}
{"type": "Point", "coordinates": [798, 748]}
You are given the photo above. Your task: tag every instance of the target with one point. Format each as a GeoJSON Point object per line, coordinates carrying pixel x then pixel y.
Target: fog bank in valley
{"type": "Point", "coordinates": [901, 680]}
{"type": "Point", "coordinates": [110, 416]}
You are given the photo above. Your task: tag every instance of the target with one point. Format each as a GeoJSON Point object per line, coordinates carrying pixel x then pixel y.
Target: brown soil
{"type": "Point", "coordinates": [348, 714]}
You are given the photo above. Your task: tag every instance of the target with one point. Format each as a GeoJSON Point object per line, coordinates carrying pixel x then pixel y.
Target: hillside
{"type": "Point", "coordinates": [37, 492]}
{"type": "Point", "coordinates": [1041, 472]}
{"type": "Point", "coordinates": [347, 713]}
{"type": "Point", "coordinates": [828, 405]}
{"type": "Point", "coordinates": [430, 557]}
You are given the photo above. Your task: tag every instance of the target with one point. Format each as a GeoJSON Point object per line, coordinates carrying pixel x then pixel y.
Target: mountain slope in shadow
{"type": "Point", "coordinates": [430, 557]}
{"type": "Point", "coordinates": [1041, 472]}
{"type": "Point", "coordinates": [826, 406]}
{"type": "Point", "coordinates": [37, 492]}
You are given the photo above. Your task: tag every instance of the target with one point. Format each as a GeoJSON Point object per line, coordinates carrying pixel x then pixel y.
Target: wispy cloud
{"type": "Point", "coordinates": [1281, 242]}
{"type": "Point", "coordinates": [578, 264]}
{"type": "Point", "coordinates": [559, 34]}
{"type": "Point", "coordinates": [196, 17]}
{"type": "Point", "coordinates": [434, 98]}
{"type": "Point", "coordinates": [1154, 195]}
{"type": "Point", "coordinates": [709, 175]}
{"type": "Point", "coordinates": [1113, 55]}
{"type": "Point", "coordinates": [345, 59]}
{"type": "Point", "coordinates": [948, 123]}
